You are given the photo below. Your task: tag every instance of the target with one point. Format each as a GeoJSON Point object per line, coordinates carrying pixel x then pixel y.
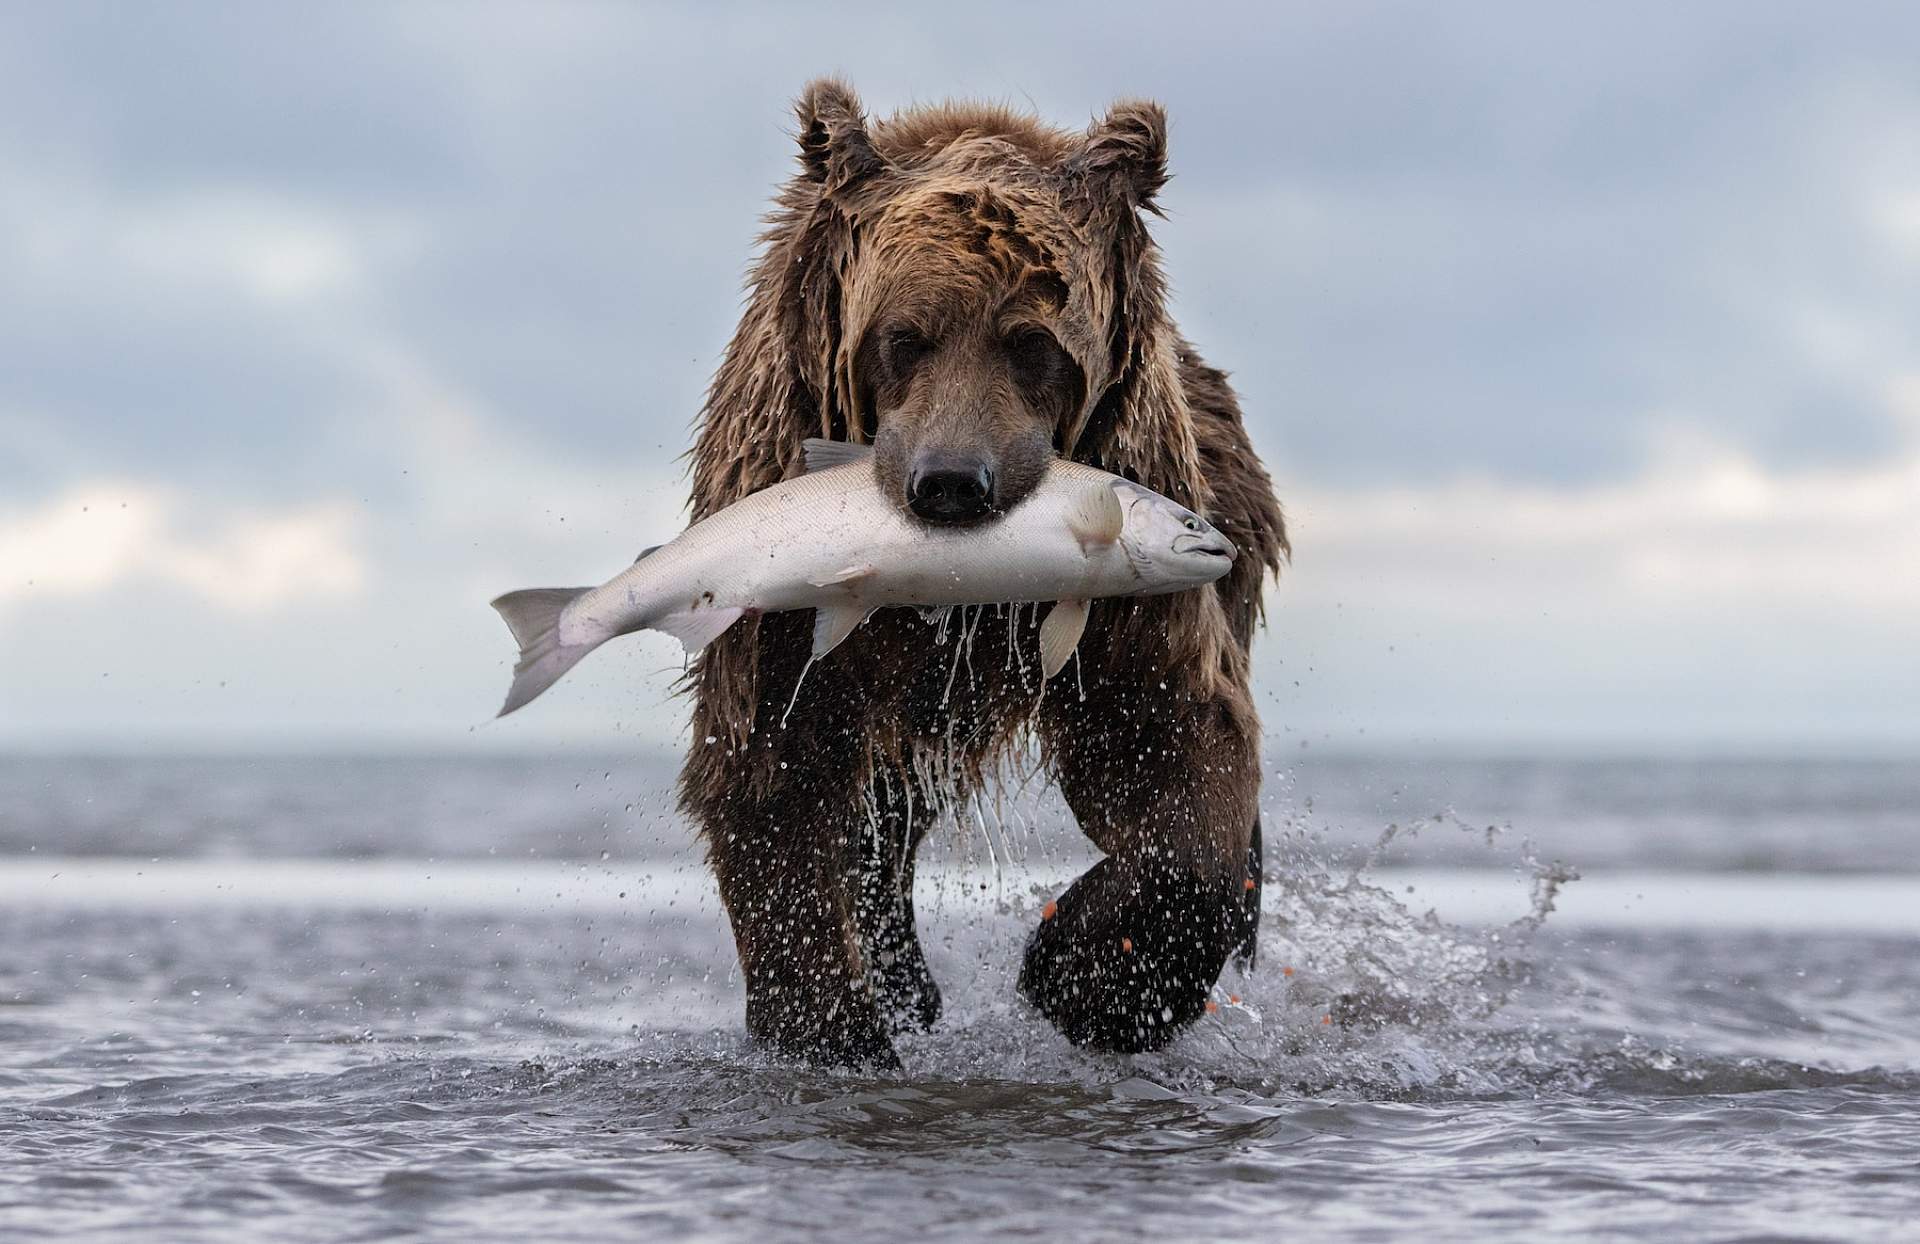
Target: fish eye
{"type": "Point", "coordinates": [1192, 523]}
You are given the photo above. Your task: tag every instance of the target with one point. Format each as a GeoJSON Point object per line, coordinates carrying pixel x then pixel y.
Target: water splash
{"type": "Point", "coordinates": [1359, 989]}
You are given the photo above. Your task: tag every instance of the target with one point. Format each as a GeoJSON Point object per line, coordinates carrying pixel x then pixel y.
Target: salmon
{"type": "Point", "coordinates": [829, 541]}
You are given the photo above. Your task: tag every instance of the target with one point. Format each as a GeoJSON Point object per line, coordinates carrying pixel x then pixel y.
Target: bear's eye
{"type": "Point", "coordinates": [906, 348]}
{"type": "Point", "coordinates": [1035, 353]}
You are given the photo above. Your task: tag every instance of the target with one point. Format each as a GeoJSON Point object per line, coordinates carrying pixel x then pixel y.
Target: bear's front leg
{"type": "Point", "coordinates": [1168, 788]}
{"type": "Point", "coordinates": [782, 817]}
{"type": "Point", "coordinates": [902, 812]}
{"type": "Point", "coordinates": [783, 865]}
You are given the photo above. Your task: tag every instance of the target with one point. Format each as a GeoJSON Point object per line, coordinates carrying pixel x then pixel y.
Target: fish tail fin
{"type": "Point", "coordinates": [533, 615]}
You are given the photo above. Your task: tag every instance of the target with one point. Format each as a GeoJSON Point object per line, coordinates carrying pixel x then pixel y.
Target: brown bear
{"type": "Point", "coordinates": [972, 292]}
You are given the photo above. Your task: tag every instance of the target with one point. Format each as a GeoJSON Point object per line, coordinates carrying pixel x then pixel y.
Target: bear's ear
{"type": "Point", "coordinates": [834, 146]}
{"type": "Point", "coordinates": [1125, 155]}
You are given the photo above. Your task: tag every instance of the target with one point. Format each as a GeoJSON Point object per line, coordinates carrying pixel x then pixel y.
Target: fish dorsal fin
{"type": "Point", "coordinates": [823, 455]}
{"type": "Point", "coordinates": [832, 624]}
{"type": "Point", "coordinates": [648, 552]}
{"type": "Point", "coordinates": [1060, 635]}
{"type": "Point", "coordinates": [1095, 519]}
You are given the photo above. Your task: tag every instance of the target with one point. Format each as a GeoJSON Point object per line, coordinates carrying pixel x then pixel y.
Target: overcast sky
{"type": "Point", "coordinates": [1584, 345]}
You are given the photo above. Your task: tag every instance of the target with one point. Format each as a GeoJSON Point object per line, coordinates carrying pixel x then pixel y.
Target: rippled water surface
{"type": "Point", "coordinates": [275, 1048]}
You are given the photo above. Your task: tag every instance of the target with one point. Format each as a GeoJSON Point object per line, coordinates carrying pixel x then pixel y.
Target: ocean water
{"type": "Point", "coordinates": [478, 999]}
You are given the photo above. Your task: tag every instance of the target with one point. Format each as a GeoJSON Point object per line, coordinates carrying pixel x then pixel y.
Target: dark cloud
{"type": "Point", "coordinates": [1492, 239]}
{"type": "Point", "coordinates": [247, 252]}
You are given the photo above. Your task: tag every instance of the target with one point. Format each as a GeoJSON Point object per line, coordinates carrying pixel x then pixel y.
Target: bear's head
{"type": "Point", "coordinates": [964, 287]}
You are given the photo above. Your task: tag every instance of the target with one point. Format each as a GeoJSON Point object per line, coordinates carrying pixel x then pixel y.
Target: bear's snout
{"type": "Point", "coordinates": [950, 488]}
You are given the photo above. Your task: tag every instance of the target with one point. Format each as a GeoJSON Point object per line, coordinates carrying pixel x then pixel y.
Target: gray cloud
{"type": "Point", "coordinates": [1506, 242]}
{"type": "Point", "coordinates": [1494, 240]}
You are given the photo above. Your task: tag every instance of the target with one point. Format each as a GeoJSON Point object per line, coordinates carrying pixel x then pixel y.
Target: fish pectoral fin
{"type": "Point", "coordinates": [832, 624]}
{"type": "Point", "coordinates": [823, 455]}
{"type": "Point", "coordinates": [846, 574]}
{"type": "Point", "coordinates": [1096, 518]}
{"type": "Point", "coordinates": [1060, 634]}
{"type": "Point", "coordinates": [696, 628]}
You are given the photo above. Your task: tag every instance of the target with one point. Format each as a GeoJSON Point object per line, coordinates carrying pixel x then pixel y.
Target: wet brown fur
{"type": "Point", "coordinates": [973, 220]}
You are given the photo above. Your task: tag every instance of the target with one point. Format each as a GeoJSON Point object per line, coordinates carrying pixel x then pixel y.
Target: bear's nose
{"type": "Point", "coordinates": [949, 490]}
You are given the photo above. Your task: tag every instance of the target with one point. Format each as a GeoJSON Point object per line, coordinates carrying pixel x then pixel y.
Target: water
{"type": "Point", "coordinates": [334, 999]}
{"type": "Point", "coordinates": [1716, 814]}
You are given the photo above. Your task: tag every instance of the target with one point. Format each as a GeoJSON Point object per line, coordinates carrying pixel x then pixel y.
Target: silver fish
{"type": "Point", "coordinates": [829, 541]}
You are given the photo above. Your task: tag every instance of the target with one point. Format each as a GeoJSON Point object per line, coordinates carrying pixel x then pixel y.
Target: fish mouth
{"type": "Point", "coordinates": [1213, 546]}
